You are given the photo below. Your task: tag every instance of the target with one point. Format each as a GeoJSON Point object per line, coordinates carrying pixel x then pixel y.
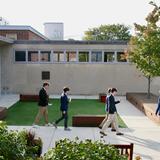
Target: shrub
{"type": "Point", "coordinates": [12, 145]}
{"type": "Point", "coordinates": [16, 145]}
{"type": "Point", "coordinates": [83, 150]}
{"type": "Point", "coordinates": [34, 145]}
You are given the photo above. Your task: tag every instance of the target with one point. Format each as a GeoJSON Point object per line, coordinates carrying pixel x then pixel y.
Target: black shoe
{"type": "Point", "coordinates": [102, 133]}
{"type": "Point", "coordinates": [100, 127]}
{"type": "Point", "coordinates": [55, 125]}
{"type": "Point", "coordinates": [119, 134]}
{"type": "Point", "coordinates": [113, 130]}
{"type": "Point", "coordinates": [67, 129]}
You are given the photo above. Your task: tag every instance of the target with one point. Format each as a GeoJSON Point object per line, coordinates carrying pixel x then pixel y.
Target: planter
{"type": "Point", "coordinates": [29, 98]}
{"type": "Point", "coordinates": [87, 120]}
{"type": "Point", "coordinates": [3, 112]}
{"type": "Point", "coordinates": [147, 106]}
{"type": "Point", "coordinates": [102, 97]}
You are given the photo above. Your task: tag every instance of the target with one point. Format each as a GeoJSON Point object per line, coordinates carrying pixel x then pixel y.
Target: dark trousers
{"type": "Point", "coordinates": [158, 109]}
{"type": "Point", "coordinates": [65, 117]}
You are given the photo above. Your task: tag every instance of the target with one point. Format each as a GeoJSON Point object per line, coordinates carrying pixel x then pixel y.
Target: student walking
{"type": "Point", "coordinates": [43, 106]}
{"type": "Point", "coordinates": [158, 107]}
{"type": "Point", "coordinates": [64, 109]}
{"type": "Point", "coordinates": [106, 110]}
{"type": "Point", "coordinates": [112, 116]}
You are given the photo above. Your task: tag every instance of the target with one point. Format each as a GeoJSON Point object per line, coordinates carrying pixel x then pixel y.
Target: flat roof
{"type": "Point", "coordinates": [21, 27]}
{"type": "Point", "coordinates": [72, 42]}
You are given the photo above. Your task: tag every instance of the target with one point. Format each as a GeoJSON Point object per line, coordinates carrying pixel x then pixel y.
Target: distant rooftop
{"type": "Point", "coordinates": [21, 27]}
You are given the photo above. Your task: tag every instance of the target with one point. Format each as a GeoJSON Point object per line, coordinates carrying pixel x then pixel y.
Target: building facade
{"type": "Point", "coordinates": [87, 67]}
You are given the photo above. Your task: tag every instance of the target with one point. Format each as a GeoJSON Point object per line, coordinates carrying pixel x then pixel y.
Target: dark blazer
{"type": "Point", "coordinates": [43, 98]}
{"type": "Point", "coordinates": [158, 108]}
{"type": "Point", "coordinates": [112, 104]}
{"type": "Point", "coordinates": [64, 102]}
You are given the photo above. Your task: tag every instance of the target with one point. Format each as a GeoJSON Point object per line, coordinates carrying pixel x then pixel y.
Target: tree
{"type": "Point", "coordinates": [108, 32]}
{"type": "Point", "coordinates": [145, 46]}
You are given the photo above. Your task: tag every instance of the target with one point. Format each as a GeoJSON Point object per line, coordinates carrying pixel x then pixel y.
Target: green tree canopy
{"type": "Point", "coordinates": [145, 46]}
{"type": "Point", "coordinates": [108, 32]}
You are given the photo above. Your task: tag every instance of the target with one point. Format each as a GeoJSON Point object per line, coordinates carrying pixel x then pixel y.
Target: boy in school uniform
{"type": "Point", "coordinates": [64, 102]}
{"type": "Point", "coordinates": [43, 105]}
{"type": "Point", "coordinates": [112, 116]}
{"type": "Point", "coordinates": [107, 109]}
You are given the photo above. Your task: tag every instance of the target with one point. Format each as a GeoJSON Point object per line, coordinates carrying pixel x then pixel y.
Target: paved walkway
{"type": "Point", "coordinates": [142, 132]}
{"type": "Point", "coordinates": [8, 100]}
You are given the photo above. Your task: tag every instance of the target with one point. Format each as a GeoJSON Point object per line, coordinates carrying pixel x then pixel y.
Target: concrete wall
{"type": "Point", "coordinates": [155, 85]}
{"type": "Point", "coordinates": [83, 79]}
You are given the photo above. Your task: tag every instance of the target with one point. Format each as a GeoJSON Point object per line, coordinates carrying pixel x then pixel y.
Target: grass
{"type": "Point", "coordinates": [23, 113]}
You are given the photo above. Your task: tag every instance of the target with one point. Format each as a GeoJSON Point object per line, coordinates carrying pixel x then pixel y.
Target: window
{"type": "Point", "coordinates": [32, 56]}
{"type": "Point", "coordinates": [96, 56]}
{"type": "Point", "coordinates": [121, 57]}
{"type": "Point", "coordinates": [20, 56]}
{"type": "Point", "coordinates": [11, 36]}
{"type": "Point", "coordinates": [59, 56]}
{"type": "Point", "coordinates": [71, 56]}
{"type": "Point", "coordinates": [45, 56]}
{"type": "Point", "coordinates": [83, 56]}
{"type": "Point", "coordinates": [109, 57]}
{"type": "Point", "coordinates": [45, 75]}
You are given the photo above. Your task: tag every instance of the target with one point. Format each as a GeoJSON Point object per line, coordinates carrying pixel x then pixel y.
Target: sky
{"type": "Point", "coordinates": [77, 15]}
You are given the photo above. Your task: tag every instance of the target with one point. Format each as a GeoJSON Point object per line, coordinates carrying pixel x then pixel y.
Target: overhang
{"type": "Point", "coordinates": [5, 41]}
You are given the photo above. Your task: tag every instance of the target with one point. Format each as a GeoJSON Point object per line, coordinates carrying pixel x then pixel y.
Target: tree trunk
{"type": "Point", "coordinates": [149, 88]}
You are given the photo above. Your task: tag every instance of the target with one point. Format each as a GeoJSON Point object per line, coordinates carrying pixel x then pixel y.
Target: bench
{"type": "Point", "coordinates": [3, 113]}
{"type": "Point", "coordinates": [87, 120]}
{"type": "Point", "coordinates": [125, 150]}
{"type": "Point", "coordinates": [28, 98]}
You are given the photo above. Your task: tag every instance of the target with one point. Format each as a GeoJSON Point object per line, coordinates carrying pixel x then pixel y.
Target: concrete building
{"type": "Point", "coordinates": [87, 67]}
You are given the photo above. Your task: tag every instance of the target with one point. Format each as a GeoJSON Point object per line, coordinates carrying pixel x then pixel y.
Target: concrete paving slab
{"type": "Point", "coordinates": [141, 131]}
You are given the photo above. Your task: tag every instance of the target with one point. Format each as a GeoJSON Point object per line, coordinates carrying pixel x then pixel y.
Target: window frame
{"type": "Point", "coordinates": [118, 52]}
{"type": "Point", "coordinates": [16, 50]}
{"type": "Point", "coordinates": [93, 52]}
{"type": "Point", "coordinates": [67, 58]}
{"type": "Point", "coordinates": [114, 58]}
{"type": "Point", "coordinates": [40, 61]}
{"type": "Point", "coordinates": [59, 51]}
{"type": "Point", "coordinates": [88, 52]}
{"type": "Point", "coordinates": [77, 52]}
{"type": "Point", "coordinates": [34, 62]}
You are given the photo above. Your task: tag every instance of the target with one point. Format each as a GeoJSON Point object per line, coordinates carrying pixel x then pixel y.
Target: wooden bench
{"type": "Point", "coordinates": [3, 113]}
{"type": "Point", "coordinates": [87, 120]}
{"type": "Point", "coordinates": [28, 98]}
{"type": "Point", "coordinates": [125, 150]}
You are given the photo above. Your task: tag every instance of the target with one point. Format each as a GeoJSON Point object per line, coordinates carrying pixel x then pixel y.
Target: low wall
{"type": "Point", "coordinates": [147, 106]}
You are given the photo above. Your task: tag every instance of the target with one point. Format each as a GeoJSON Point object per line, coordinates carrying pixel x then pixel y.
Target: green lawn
{"type": "Point", "coordinates": [23, 113]}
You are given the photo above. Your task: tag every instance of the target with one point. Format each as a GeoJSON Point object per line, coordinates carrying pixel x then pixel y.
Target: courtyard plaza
{"type": "Point", "coordinates": [141, 131]}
